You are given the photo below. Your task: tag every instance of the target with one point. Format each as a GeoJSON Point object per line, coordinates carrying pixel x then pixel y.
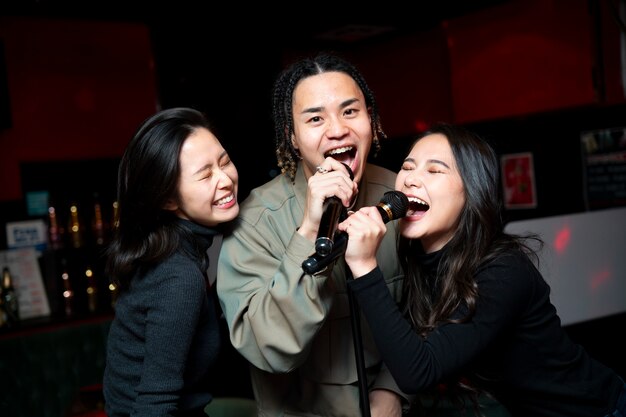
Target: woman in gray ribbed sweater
{"type": "Point", "coordinates": [176, 185]}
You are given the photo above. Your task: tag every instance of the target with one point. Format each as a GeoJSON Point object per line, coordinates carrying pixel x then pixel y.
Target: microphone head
{"type": "Point", "coordinates": [393, 205]}
{"type": "Point", "coordinates": [349, 170]}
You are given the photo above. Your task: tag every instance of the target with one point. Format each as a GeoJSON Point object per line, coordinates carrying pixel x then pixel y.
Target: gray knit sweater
{"type": "Point", "coordinates": [163, 339]}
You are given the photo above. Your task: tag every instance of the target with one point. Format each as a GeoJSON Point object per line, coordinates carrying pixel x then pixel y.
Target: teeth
{"type": "Point", "coordinates": [224, 200]}
{"type": "Point", "coordinates": [340, 150]}
{"type": "Point", "coordinates": [417, 200]}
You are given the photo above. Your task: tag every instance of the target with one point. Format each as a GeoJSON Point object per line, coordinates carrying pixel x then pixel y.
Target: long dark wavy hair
{"type": "Point", "coordinates": [478, 239]}
{"type": "Point", "coordinates": [148, 177]}
{"type": "Point", "coordinates": [282, 104]}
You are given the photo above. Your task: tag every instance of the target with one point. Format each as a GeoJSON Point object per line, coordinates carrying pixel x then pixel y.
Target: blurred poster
{"type": "Point", "coordinates": [518, 178]}
{"type": "Point", "coordinates": [27, 280]}
{"type": "Point", "coordinates": [604, 170]}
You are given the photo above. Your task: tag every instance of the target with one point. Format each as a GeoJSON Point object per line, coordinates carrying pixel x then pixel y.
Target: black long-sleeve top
{"type": "Point", "coordinates": [514, 345]}
{"type": "Point", "coordinates": [164, 338]}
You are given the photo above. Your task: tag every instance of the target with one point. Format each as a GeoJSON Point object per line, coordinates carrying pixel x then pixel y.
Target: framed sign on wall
{"type": "Point", "coordinates": [518, 180]}
{"type": "Point", "coordinates": [604, 167]}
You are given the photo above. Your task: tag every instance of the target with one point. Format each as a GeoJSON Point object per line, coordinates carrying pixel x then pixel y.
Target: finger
{"type": "Point", "coordinates": [321, 170]}
{"type": "Point", "coordinates": [333, 183]}
{"type": "Point", "coordinates": [331, 164]}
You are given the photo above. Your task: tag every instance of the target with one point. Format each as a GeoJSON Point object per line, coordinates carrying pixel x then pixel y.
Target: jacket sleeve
{"type": "Point", "coordinates": [418, 363]}
{"type": "Point", "coordinates": [273, 309]}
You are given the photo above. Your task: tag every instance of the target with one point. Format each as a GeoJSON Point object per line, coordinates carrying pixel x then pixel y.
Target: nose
{"type": "Point", "coordinates": [336, 128]}
{"type": "Point", "coordinates": [223, 179]}
{"type": "Point", "coordinates": [412, 179]}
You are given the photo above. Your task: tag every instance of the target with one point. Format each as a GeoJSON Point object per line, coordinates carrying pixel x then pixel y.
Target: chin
{"type": "Point", "coordinates": [409, 232]}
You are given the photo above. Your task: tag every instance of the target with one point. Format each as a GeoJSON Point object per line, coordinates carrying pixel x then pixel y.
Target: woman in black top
{"type": "Point", "coordinates": [176, 186]}
{"type": "Point", "coordinates": [477, 313]}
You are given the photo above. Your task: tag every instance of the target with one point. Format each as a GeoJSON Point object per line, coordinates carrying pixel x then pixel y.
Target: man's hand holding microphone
{"type": "Point", "coordinates": [366, 227]}
{"type": "Point", "coordinates": [332, 180]}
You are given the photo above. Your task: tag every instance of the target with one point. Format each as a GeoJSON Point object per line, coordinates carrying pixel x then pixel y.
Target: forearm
{"type": "Point", "coordinates": [273, 309]}
{"type": "Point", "coordinates": [385, 403]}
{"type": "Point", "coordinates": [400, 347]}
{"type": "Point", "coordinates": [385, 381]}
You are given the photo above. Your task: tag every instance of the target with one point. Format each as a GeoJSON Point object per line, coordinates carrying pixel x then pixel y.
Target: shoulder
{"type": "Point", "coordinates": [512, 271]}
{"type": "Point", "coordinates": [178, 274]}
{"type": "Point", "coordinates": [171, 293]}
{"type": "Point", "coordinates": [513, 259]}
{"type": "Point", "coordinates": [384, 177]}
{"type": "Point", "coordinates": [273, 196]}
{"type": "Point", "coordinates": [271, 193]}
{"type": "Point", "coordinates": [375, 183]}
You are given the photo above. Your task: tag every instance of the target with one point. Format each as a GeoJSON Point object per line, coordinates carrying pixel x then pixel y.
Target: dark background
{"type": "Point", "coordinates": [223, 59]}
{"type": "Point", "coordinates": [224, 63]}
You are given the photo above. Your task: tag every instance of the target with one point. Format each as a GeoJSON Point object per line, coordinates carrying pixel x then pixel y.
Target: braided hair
{"type": "Point", "coordinates": [282, 104]}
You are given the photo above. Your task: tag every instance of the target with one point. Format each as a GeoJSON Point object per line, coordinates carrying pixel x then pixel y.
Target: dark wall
{"type": "Point", "coordinates": [229, 76]}
{"type": "Point", "coordinates": [554, 139]}
{"type": "Point", "coordinates": [78, 89]}
{"type": "Point", "coordinates": [5, 103]}
{"type": "Point", "coordinates": [228, 80]}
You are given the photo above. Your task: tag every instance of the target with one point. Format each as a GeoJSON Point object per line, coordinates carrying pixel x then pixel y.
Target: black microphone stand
{"type": "Point", "coordinates": [393, 205]}
{"type": "Point", "coordinates": [355, 316]}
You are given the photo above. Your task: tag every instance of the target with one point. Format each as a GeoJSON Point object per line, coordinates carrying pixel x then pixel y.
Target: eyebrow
{"type": "Point", "coordinates": [209, 165]}
{"type": "Point", "coordinates": [430, 161]}
{"type": "Point", "coordinates": [343, 105]}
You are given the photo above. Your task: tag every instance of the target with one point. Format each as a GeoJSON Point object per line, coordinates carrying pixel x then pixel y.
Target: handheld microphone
{"type": "Point", "coordinates": [393, 205]}
{"type": "Point", "coordinates": [334, 213]}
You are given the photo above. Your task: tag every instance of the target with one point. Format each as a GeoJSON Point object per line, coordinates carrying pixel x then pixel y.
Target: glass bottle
{"type": "Point", "coordinates": [9, 299]}
{"type": "Point", "coordinates": [113, 293]}
{"type": "Point", "coordinates": [68, 292]}
{"type": "Point", "coordinates": [115, 220]}
{"type": "Point", "coordinates": [92, 290]}
{"type": "Point", "coordinates": [55, 232]}
{"type": "Point", "coordinates": [3, 315]}
{"type": "Point", "coordinates": [97, 224]}
{"type": "Point", "coordinates": [75, 229]}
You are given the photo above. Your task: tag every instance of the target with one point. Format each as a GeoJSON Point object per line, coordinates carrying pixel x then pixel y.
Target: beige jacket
{"type": "Point", "coordinates": [293, 327]}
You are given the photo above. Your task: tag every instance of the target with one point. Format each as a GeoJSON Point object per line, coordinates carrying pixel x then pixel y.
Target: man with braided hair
{"type": "Point", "coordinates": [293, 327]}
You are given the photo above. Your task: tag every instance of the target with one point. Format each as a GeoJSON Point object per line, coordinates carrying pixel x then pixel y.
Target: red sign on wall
{"type": "Point", "coordinates": [518, 180]}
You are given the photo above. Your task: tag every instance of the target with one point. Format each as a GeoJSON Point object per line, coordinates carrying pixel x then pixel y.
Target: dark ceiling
{"type": "Point", "coordinates": [223, 58]}
{"type": "Point", "coordinates": [310, 25]}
